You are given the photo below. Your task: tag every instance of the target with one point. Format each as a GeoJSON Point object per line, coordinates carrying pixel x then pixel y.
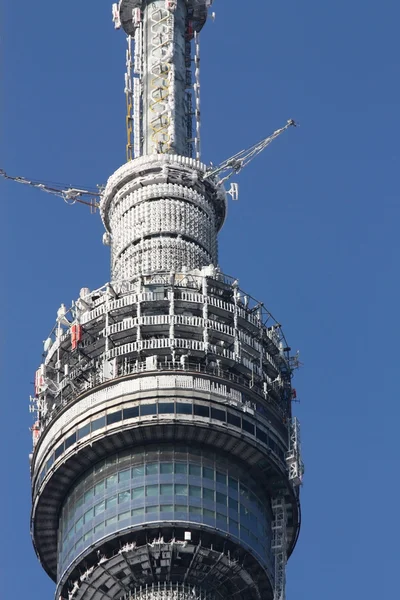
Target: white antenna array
{"type": "Point", "coordinates": [229, 167]}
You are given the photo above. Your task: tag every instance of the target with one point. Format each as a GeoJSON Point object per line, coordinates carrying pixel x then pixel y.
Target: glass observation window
{"type": "Point", "coordinates": [166, 468]}
{"type": "Point", "coordinates": [172, 482]}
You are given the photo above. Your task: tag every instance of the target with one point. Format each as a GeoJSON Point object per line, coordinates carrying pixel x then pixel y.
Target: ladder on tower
{"type": "Point", "coordinates": [279, 545]}
{"type": "Point", "coordinates": [295, 469]}
{"type": "Point", "coordinates": [293, 456]}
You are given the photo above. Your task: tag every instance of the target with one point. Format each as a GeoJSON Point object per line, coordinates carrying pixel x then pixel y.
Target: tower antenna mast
{"type": "Point", "coordinates": [166, 460]}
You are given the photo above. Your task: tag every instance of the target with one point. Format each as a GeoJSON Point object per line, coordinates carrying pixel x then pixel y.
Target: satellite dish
{"type": "Point", "coordinates": [47, 344]}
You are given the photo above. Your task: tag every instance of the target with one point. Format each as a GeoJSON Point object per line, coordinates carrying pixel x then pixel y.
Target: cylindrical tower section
{"type": "Point", "coordinates": [164, 444]}
{"type": "Point", "coordinates": [153, 486]}
{"type": "Point", "coordinates": [160, 216]}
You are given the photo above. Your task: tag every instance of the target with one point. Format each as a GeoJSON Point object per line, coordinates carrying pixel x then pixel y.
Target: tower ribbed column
{"type": "Point", "coordinates": [161, 216]}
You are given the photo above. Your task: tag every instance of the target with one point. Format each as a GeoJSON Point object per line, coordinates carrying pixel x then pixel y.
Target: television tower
{"type": "Point", "coordinates": [166, 461]}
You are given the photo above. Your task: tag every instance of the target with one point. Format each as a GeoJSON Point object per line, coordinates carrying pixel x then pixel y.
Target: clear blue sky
{"type": "Point", "coordinates": [314, 235]}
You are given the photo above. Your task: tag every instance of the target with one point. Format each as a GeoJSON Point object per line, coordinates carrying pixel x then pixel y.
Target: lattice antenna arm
{"type": "Point", "coordinates": [235, 163]}
{"type": "Point", "coordinates": [70, 195]}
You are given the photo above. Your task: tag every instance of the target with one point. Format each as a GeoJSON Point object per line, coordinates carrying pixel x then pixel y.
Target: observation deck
{"type": "Point", "coordinates": [165, 411]}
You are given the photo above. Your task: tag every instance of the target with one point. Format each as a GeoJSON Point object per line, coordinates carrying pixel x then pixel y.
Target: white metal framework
{"type": "Point", "coordinates": [70, 195]}
{"type": "Point", "coordinates": [293, 456]}
{"type": "Point", "coordinates": [279, 545]}
{"type": "Point", "coordinates": [99, 340]}
{"type": "Point", "coordinates": [236, 163]}
{"type": "Point", "coordinates": [196, 88]}
{"type": "Point", "coordinates": [279, 527]}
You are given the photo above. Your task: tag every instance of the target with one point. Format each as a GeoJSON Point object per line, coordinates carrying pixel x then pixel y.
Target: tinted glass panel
{"type": "Point", "coordinates": [208, 494]}
{"type": "Point", "coordinates": [221, 498]}
{"type": "Point", "coordinates": [114, 417]}
{"type": "Point", "coordinates": [195, 470]}
{"type": "Point", "coordinates": [183, 409]}
{"type": "Point", "coordinates": [59, 450]}
{"type": "Point", "coordinates": [233, 420]}
{"type": "Point", "coordinates": [233, 483]}
{"type": "Point", "coordinates": [261, 435]}
{"type": "Point", "coordinates": [70, 440]}
{"type": "Point", "coordinates": [208, 473]}
{"type": "Point", "coordinates": [89, 515]}
{"type": "Point", "coordinates": [218, 414]}
{"type": "Point", "coordinates": [138, 493]}
{"type": "Point", "coordinates": [111, 502]}
{"type": "Point", "coordinates": [181, 468]}
{"type": "Point", "coordinates": [148, 409]}
{"type": "Point", "coordinates": [152, 469]}
{"type": "Point", "coordinates": [181, 489]}
{"type": "Point", "coordinates": [247, 426]}
{"type": "Point", "coordinates": [112, 480]}
{"type": "Point", "coordinates": [195, 490]}
{"type": "Point", "coordinates": [138, 471]}
{"type": "Point", "coordinates": [83, 431]}
{"type": "Point", "coordinates": [99, 488]}
{"type": "Point", "coordinates": [130, 413]}
{"type": "Point", "coordinates": [201, 411]}
{"type": "Point", "coordinates": [98, 423]}
{"type": "Point", "coordinates": [221, 477]}
{"type": "Point", "coordinates": [124, 475]}
{"type": "Point", "coordinates": [166, 468]}
{"type": "Point", "coordinates": [151, 490]}
{"type": "Point", "coordinates": [99, 508]}
{"type": "Point", "coordinates": [49, 462]}
{"type": "Point", "coordinates": [232, 504]}
{"type": "Point", "coordinates": [166, 407]}
{"type": "Point", "coordinates": [222, 519]}
{"type": "Point", "coordinates": [99, 528]}
{"type": "Point", "coordinates": [124, 497]}
{"type": "Point", "coordinates": [195, 510]}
